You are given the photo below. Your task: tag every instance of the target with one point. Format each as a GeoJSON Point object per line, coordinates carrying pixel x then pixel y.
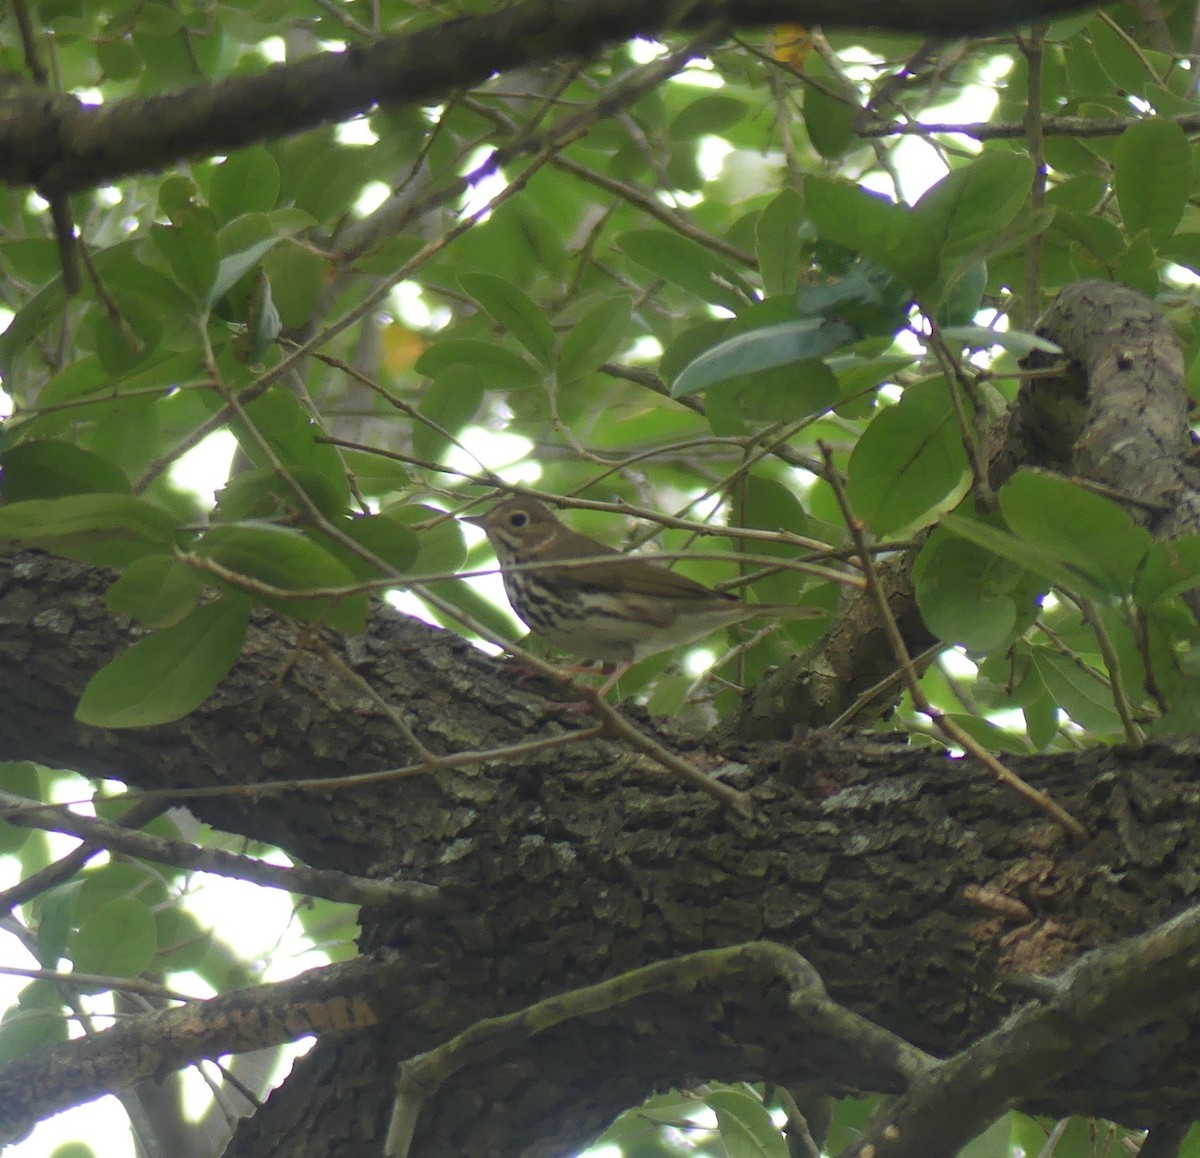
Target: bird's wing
{"type": "Point", "coordinates": [637, 576]}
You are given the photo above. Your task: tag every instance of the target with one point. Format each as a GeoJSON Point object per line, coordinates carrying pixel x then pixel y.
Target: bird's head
{"type": "Point", "coordinates": [518, 526]}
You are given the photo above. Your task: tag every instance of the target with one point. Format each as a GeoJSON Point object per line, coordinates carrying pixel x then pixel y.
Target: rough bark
{"type": "Point", "coordinates": [582, 862]}
{"type": "Point", "coordinates": [1118, 415]}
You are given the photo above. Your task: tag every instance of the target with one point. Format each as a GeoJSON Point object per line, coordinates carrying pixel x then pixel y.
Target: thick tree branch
{"type": "Point", "coordinates": [58, 145]}
{"type": "Point", "coordinates": [1102, 998]}
{"type": "Point", "coordinates": [582, 861]}
{"type": "Point", "coordinates": [336, 999]}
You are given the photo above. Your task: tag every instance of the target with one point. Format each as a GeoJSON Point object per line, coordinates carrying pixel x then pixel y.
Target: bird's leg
{"type": "Point", "coordinates": [615, 672]}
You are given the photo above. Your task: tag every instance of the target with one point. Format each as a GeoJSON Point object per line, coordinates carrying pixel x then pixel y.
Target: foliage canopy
{"type": "Point", "coordinates": [737, 281]}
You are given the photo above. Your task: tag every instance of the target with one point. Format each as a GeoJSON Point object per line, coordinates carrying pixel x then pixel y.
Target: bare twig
{"type": "Point", "coordinates": [334, 886]}
{"type": "Point", "coordinates": [1032, 47]}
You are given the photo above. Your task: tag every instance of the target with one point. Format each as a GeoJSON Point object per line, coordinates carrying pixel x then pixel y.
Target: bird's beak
{"type": "Point", "coordinates": [476, 520]}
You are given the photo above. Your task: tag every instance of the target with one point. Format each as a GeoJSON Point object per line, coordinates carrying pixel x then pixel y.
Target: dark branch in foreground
{"type": "Point", "coordinates": [58, 146]}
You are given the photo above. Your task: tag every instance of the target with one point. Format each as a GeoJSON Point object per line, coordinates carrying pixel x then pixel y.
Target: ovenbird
{"type": "Point", "coordinates": [619, 609]}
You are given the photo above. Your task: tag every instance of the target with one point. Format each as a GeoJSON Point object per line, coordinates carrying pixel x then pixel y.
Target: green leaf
{"type": "Point", "coordinates": [706, 115]}
{"type": "Point", "coordinates": [1169, 569]}
{"type": "Point", "coordinates": [1089, 533]}
{"type": "Point", "coordinates": [967, 208]}
{"type": "Point", "coordinates": [599, 335]}
{"type": "Point", "coordinates": [962, 299]}
{"type": "Point", "coordinates": [782, 344]}
{"type": "Point", "coordinates": [106, 883]}
{"type": "Point", "coordinates": [34, 259]}
{"type": "Point", "coordinates": [779, 394]}
{"type": "Point", "coordinates": [686, 263]}
{"type": "Point", "coordinates": [868, 298]}
{"type": "Point", "coordinates": [1045, 561]}
{"type": "Point", "coordinates": [52, 468]}
{"type": "Point", "coordinates": [116, 941]}
{"type": "Point", "coordinates": [331, 180]}
{"type": "Point", "coordinates": [298, 276]}
{"type": "Point", "coordinates": [1018, 342]}
{"type": "Point", "coordinates": [831, 110]}
{"type": "Point", "coordinates": [448, 405]}
{"type": "Point", "coordinates": [168, 674]}
{"type": "Point", "coordinates": [135, 339]}
{"type": "Point", "coordinates": [869, 224]}
{"type": "Point", "coordinates": [1081, 694]}
{"type": "Point", "coordinates": [55, 915]}
{"type": "Point", "coordinates": [969, 596]}
{"type": "Point", "coordinates": [290, 431]}
{"type": "Point", "coordinates": [20, 777]}
{"type": "Point", "coordinates": [73, 1149]}
{"type": "Point", "coordinates": [182, 940]}
{"type": "Point", "coordinates": [286, 558]}
{"type": "Point", "coordinates": [157, 590]}
{"type": "Point", "coordinates": [909, 462]}
{"type": "Point", "coordinates": [119, 58]}
{"type": "Point", "coordinates": [513, 310]}
{"type": "Point", "coordinates": [245, 182]}
{"type": "Point", "coordinates": [190, 249]}
{"type": "Point", "coordinates": [110, 529]}
{"type": "Point", "coordinates": [260, 494]}
{"type": "Point", "coordinates": [995, 739]}
{"type": "Point", "coordinates": [1153, 177]}
{"type": "Point", "coordinates": [745, 1125]}
{"type": "Point", "coordinates": [440, 546]}
{"type": "Point", "coordinates": [234, 266]}
{"type": "Point", "coordinates": [996, 1140]}
{"type": "Point", "coordinates": [29, 322]}
{"type": "Point", "coordinates": [23, 1030]}
{"type": "Point", "coordinates": [377, 473]}
{"type": "Point", "coordinates": [777, 242]}
{"type": "Point", "coordinates": [385, 536]}
{"type": "Point", "coordinates": [856, 373]}
{"type": "Point", "coordinates": [262, 323]}
{"type": "Point", "coordinates": [503, 369]}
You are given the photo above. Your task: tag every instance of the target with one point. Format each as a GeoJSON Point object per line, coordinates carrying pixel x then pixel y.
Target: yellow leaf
{"type": "Point", "coordinates": [791, 44]}
{"type": "Point", "coordinates": [401, 348]}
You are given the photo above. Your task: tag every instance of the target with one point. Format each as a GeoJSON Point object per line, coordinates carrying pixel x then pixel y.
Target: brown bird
{"type": "Point", "coordinates": [620, 608]}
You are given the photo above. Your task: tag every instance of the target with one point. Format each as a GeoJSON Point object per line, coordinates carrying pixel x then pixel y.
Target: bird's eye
{"type": "Point", "coordinates": [518, 519]}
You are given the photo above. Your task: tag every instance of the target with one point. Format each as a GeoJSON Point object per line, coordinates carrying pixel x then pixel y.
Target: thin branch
{"type": "Point", "coordinates": [959, 383]}
{"type": "Point", "coordinates": [393, 579]}
{"type": "Point", "coordinates": [616, 725]}
{"type": "Point", "coordinates": [66, 867]}
{"type": "Point", "coordinates": [1082, 127]}
{"type": "Point", "coordinates": [912, 682]}
{"type": "Point", "coordinates": [570, 129]}
{"type": "Point", "coordinates": [327, 883]}
{"type": "Point", "coordinates": [77, 980]}
{"type": "Point", "coordinates": [255, 788]}
{"type": "Point", "coordinates": [1032, 46]}
{"type": "Point", "coordinates": [1134, 736]}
